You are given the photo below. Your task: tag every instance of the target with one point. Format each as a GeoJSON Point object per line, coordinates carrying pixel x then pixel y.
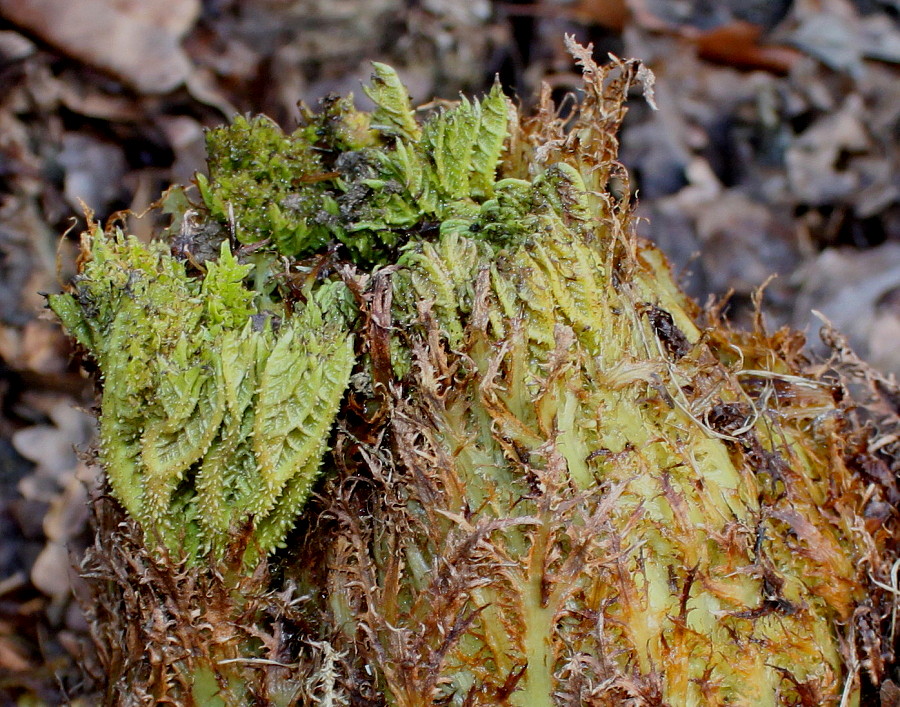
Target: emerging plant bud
{"type": "Point", "coordinates": [547, 481]}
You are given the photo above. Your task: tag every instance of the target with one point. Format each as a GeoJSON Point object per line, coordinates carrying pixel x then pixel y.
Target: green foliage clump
{"type": "Point", "coordinates": [551, 485]}
{"type": "Point", "coordinates": [214, 415]}
{"type": "Point", "coordinates": [371, 182]}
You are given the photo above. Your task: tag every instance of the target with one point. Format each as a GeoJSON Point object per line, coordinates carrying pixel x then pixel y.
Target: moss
{"type": "Point", "coordinates": [371, 183]}
{"type": "Point", "coordinates": [254, 186]}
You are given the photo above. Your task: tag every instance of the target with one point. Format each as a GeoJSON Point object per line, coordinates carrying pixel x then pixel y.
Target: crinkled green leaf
{"type": "Point", "coordinates": [209, 410]}
{"type": "Point", "coordinates": [393, 114]}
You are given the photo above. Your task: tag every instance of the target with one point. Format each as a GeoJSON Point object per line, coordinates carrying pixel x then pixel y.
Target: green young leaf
{"type": "Point", "coordinates": [212, 415]}
{"type": "Point", "coordinates": [393, 114]}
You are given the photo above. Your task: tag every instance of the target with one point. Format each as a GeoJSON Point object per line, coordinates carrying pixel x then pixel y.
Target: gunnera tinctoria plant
{"type": "Point", "coordinates": [399, 411]}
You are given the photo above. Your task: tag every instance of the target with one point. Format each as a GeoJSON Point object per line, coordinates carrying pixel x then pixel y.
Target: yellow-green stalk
{"type": "Point", "coordinates": [544, 478]}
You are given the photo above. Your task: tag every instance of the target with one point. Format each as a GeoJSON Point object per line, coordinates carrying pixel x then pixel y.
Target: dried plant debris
{"type": "Point", "coordinates": [140, 46]}
{"type": "Point", "coordinates": [840, 283]}
{"type": "Point", "coordinates": [780, 114]}
{"type": "Point", "coordinates": [545, 476]}
{"type": "Point", "coordinates": [47, 501]}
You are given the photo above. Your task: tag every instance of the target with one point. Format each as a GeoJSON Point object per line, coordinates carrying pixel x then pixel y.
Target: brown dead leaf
{"type": "Point", "coordinates": [187, 139]}
{"type": "Point", "coordinates": [88, 100]}
{"type": "Point", "coordinates": [39, 347]}
{"type": "Point", "coordinates": [890, 694]}
{"type": "Point", "coordinates": [54, 494]}
{"type": "Point", "coordinates": [52, 447]}
{"type": "Point", "coordinates": [612, 14]}
{"type": "Point", "coordinates": [733, 42]}
{"type": "Point", "coordinates": [137, 42]}
{"type": "Point", "coordinates": [50, 571]}
{"type": "Point", "coordinates": [739, 44]}
{"type": "Point", "coordinates": [11, 659]}
{"type": "Point", "coordinates": [830, 37]}
{"type": "Point", "coordinates": [880, 38]}
{"type": "Point", "coordinates": [814, 162]}
{"type": "Point", "coordinates": [13, 46]}
{"type": "Point", "coordinates": [838, 35]}
{"type": "Point", "coordinates": [856, 290]}
{"type": "Point", "coordinates": [94, 171]}
{"type": "Point", "coordinates": [68, 512]}
{"type": "Point", "coordinates": [737, 244]}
